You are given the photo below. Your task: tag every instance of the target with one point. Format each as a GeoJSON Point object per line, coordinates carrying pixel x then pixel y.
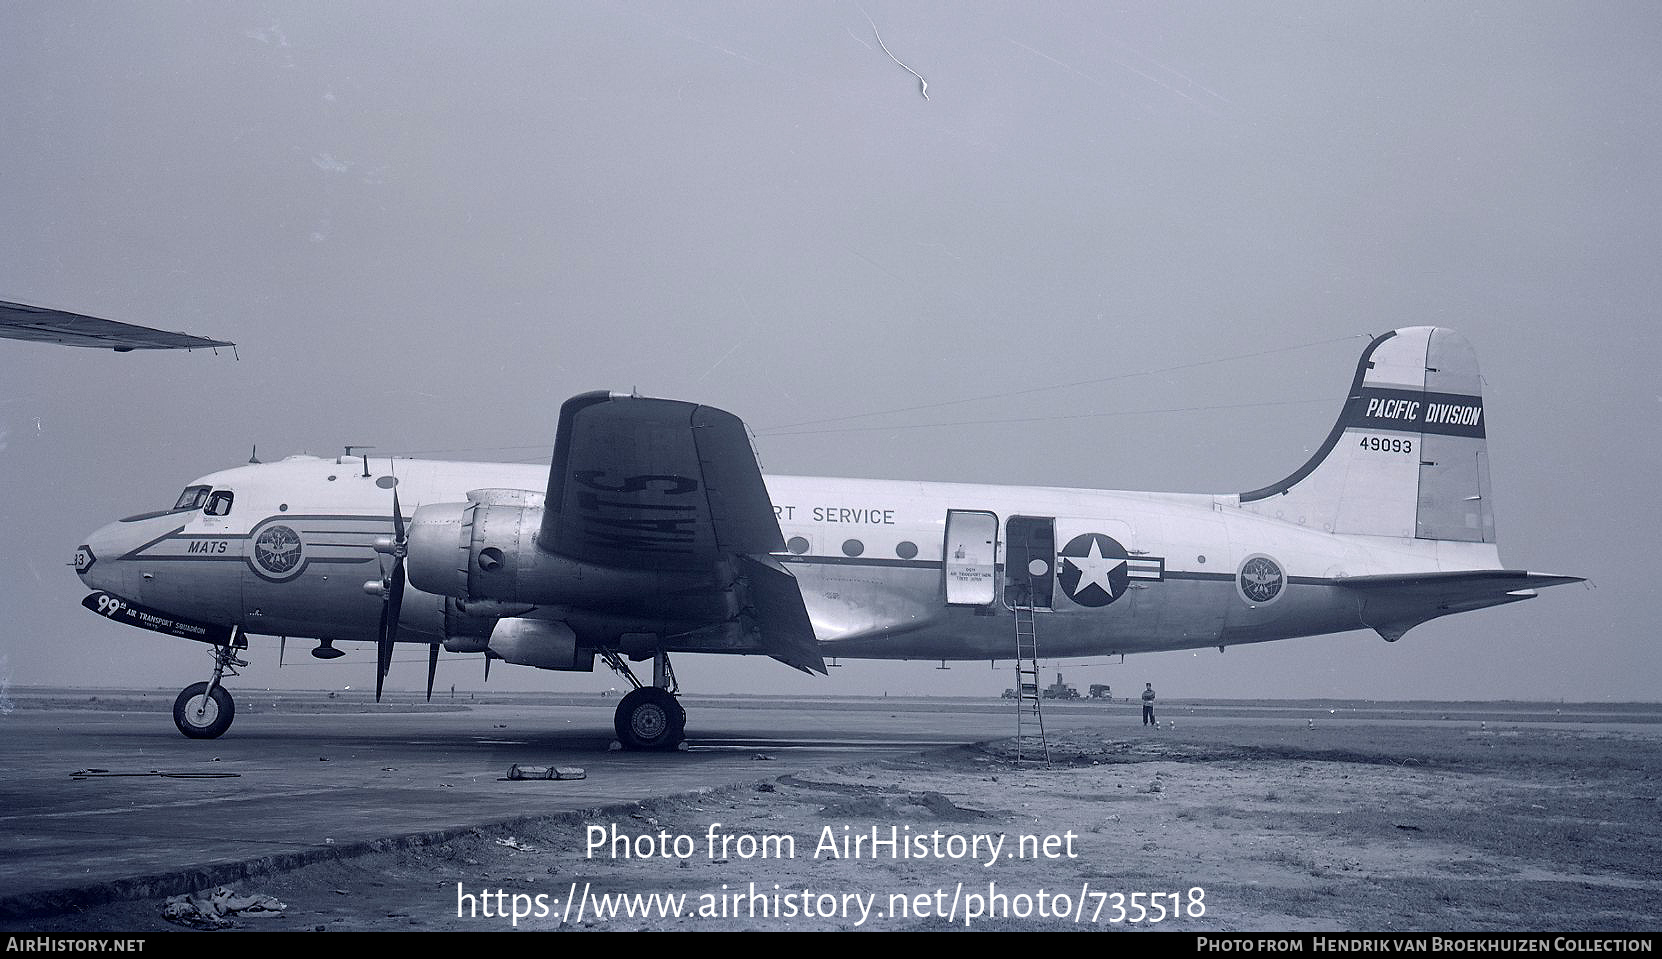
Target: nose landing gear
{"type": "Point", "coordinates": [205, 710]}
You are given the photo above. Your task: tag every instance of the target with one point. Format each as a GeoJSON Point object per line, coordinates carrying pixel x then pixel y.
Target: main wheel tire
{"type": "Point", "coordinates": [649, 718]}
{"type": "Point", "coordinates": [203, 715]}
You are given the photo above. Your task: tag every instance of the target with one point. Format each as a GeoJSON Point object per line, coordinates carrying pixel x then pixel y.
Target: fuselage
{"type": "Point", "coordinates": [887, 569]}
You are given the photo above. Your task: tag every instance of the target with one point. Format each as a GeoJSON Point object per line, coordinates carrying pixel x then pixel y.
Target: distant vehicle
{"type": "Point", "coordinates": [1009, 693]}
{"type": "Point", "coordinates": [1060, 690]}
{"type": "Point", "coordinates": [1100, 691]}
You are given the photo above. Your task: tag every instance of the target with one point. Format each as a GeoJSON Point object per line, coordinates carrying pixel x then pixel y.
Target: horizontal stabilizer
{"type": "Point", "coordinates": [1473, 583]}
{"type": "Point", "coordinates": [1394, 603]}
{"type": "Point", "coordinates": [778, 612]}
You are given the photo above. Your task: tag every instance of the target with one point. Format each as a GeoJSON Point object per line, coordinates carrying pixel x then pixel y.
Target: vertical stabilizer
{"type": "Point", "coordinates": [1407, 458]}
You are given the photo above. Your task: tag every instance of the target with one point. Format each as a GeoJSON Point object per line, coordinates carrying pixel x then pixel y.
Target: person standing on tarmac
{"type": "Point", "coordinates": [1148, 706]}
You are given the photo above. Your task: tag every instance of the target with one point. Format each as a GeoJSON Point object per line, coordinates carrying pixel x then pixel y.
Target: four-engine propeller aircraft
{"type": "Point", "coordinates": [654, 533]}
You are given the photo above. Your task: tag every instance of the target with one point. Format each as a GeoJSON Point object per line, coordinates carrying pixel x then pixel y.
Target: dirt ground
{"type": "Point", "coordinates": [1384, 827]}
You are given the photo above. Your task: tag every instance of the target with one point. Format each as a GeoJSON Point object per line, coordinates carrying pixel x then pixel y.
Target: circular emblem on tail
{"type": "Point", "coordinates": [1261, 580]}
{"type": "Point", "coordinates": [277, 551]}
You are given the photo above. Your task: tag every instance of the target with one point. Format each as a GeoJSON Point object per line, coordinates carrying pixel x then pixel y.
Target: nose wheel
{"type": "Point", "coordinates": [205, 710]}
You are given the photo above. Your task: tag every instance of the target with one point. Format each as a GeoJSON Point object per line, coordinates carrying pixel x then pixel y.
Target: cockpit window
{"type": "Point", "coordinates": [192, 498]}
{"type": "Point", "coordinates": [219, 504]}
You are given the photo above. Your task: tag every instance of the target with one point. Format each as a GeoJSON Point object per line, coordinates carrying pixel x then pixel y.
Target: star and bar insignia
{"type": "Point", "coordinates": [1096, 569]}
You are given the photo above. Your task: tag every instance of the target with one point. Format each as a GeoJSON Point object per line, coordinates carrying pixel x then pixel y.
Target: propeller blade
{"type": "Point", "coordinates": [393, 604]}
{"type": "Point", "coordinates": [389, 625]}
{"type": "Point", "coordinates": [432, 668]}
{"type": "Point", "coordinates": [382, 647]}
{"type": "Point", "coordinates": [487, 667]}
{"type": "Point", "coordinates": [282, 645]}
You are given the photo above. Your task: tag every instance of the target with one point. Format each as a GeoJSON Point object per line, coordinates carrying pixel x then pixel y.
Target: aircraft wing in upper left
{"type": "Point", "coordinates": [19, 321]}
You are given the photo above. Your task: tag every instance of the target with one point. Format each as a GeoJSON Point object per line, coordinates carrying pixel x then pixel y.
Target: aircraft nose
{"type": "Point", "coordinates": [99, 558]}
{"type": "Point", "coordinates": [95, 558]}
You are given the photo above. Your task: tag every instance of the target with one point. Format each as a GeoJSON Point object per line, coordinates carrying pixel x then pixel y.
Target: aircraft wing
{"type": "Point", "coordinates": [19, 321]}
{"type": "Point", "coordinates": [641, 483]}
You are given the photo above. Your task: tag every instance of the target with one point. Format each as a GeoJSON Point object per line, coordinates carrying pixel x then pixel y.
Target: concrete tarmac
{"type": "Point", "coordinates": [102, 799]}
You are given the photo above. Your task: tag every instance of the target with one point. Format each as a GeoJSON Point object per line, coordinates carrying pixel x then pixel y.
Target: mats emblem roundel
{"type": "Point", "coordinates": [277, 551]}
{"type": "Point", "coordinates": [1261, 580]}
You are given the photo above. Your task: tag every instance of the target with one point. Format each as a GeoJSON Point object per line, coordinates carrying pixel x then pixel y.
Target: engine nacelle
{"type": "Point", "coordinates": [450, 544]}
{"type": "Point", "coordinates": [486, 550]}
{"type": "Point", "coordinates": [540, 643]}
{"type": "Point", "coordinates": [469, 630]}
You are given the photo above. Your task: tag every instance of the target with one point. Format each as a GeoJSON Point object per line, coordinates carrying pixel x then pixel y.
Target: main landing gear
{"type": "Point", "coordinates": [650, 717]}
{"type": "Point", "coordinates": [205, 710]}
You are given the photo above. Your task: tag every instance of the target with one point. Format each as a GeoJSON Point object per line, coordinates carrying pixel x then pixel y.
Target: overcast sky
{"type": "Point", "coordinates": [427, 224]}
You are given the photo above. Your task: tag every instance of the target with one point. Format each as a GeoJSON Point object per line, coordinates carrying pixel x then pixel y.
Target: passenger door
{"type": "Point", "coordinates": [970, 557]}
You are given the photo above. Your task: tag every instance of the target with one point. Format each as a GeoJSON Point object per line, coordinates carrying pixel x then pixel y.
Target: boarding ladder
{"type": "Point", "coordinates": [1030, 721]}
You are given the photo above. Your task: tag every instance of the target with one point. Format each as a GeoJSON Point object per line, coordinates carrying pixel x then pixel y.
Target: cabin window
{"type": "Point", "coordinates": [906, 550]}
{"type": "Point", "coordinates": [853, 547]}
{"type": "Point", "coordinates": [219, 504]}
{"type": "Point", "coordinates": [797, 545]}
{"type": "Point", "coordinates": [192, 498]}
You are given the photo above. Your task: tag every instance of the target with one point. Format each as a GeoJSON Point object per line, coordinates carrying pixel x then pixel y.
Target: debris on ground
{"type": "Point", "coordinates": [215, 909]}
{"type": "Point", "coordinates": [517, 772]}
